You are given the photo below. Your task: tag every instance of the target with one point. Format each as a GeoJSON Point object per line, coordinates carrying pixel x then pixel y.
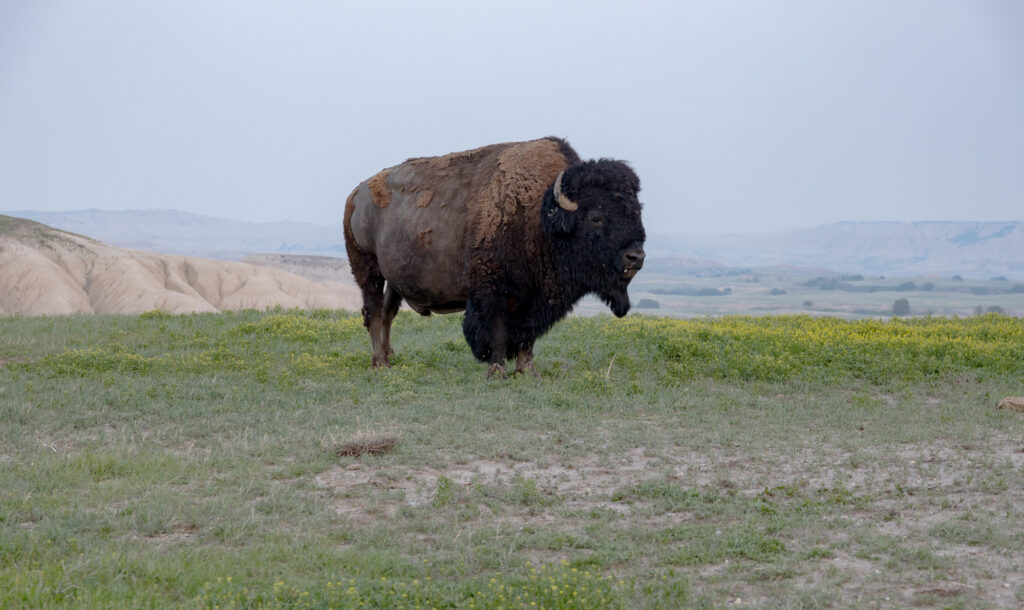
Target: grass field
{"type": "Point", "coordinates": [790, 462]}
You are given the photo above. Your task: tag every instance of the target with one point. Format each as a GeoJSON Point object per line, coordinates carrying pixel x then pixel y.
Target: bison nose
{"type": "Point", "coordinates": [634, 258]}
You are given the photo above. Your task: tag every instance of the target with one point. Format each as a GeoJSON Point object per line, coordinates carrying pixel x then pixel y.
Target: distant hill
{"type": "Point", "coordinates": [173, 232]}
{"type": "Point", "coordinates": [972, 249]}
{"type": "Point", "coordinates": [45, 271]}
{"type": "Point", "coordinates": [311, 267]}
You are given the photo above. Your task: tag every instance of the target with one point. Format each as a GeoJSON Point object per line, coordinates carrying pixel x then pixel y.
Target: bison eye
{"type": "Point", "coordinates": [596, 219]}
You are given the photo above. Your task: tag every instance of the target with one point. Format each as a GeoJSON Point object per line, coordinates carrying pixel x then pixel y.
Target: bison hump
{"type": "Point", "coordinates": [512, 199]}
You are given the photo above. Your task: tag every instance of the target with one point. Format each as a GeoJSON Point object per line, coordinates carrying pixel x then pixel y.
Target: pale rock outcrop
{"type": "Point", "coordinates": [44, 271]}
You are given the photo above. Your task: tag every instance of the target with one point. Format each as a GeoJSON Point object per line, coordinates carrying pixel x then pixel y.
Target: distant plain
{"type": "Point", "coordinates": [686, 292]}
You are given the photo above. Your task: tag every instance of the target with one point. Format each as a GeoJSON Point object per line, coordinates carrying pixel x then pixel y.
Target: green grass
{"type": "Point", "coordinates": [191, 461]}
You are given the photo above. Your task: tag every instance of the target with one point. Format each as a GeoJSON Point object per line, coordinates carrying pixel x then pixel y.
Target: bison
{"type": "Point", "coordinates": [515, 234]}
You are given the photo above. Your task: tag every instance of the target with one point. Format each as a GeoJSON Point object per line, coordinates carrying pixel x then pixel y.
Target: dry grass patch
{"type": "Point", "coordinates": [364, 441]}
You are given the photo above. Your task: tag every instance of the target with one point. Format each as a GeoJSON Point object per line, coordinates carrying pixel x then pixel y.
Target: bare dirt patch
{"type": "Point", "coordinates": [579, 483]}
{"type": "Point", "coordinates": [593, 479]}
{"type": "Point", "coordinates": [905, 510]}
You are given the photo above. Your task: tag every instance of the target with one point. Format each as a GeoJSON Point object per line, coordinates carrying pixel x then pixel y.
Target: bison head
{"type": "Point", "coordinates": [592, 215]}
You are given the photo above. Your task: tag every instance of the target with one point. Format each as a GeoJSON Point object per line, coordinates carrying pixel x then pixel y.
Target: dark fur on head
{"type": "Point", "coordinates": [581, 257]}
{"type": "Point", "coordinates": [605, 190]}
{"type": "Point", "coordinates": [616, 178]}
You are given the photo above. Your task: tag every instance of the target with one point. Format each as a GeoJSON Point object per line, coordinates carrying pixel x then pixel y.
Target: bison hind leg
{"type": "Point", "coordinates": [392, 301]}
{"type": "Point", "coordinates": [373, 308]}
{"type": "Point", "coordinates": [371, 284]}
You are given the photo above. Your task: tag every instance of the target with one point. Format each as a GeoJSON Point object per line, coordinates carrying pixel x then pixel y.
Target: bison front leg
{"type": "Point", "coordinates": [484, 328]}
{"type": "Point", "coordinates": [524, 360]}
{"type": "Point", "coordinates": [499, 339]}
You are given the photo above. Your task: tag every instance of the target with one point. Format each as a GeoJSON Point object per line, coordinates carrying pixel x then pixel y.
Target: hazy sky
{"type": "Point", "coordinates": [738, 116]}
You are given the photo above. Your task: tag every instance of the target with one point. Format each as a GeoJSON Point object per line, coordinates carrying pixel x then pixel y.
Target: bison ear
{"type": "Point", "coordinates": [557, 220]}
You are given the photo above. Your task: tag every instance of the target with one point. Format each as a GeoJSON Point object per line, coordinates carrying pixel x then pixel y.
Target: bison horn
{"type": "Point", "coordinates": [563, 202]}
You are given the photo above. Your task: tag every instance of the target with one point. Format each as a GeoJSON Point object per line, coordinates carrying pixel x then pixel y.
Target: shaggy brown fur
{"type": "Point", "coordinates": [445, 161]}
{"type": "Point", "coordinates": [516, 189]}
{"type": "Point", "coordinates": [379, 189]}
{"type": "Point", "coordinates": [359, 261]}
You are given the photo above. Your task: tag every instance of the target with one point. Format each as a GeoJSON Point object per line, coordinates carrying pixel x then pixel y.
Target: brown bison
{"type": "Point", "coordinates": [514, 234]}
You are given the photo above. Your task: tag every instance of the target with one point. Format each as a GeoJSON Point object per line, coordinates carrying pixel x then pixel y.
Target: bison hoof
{"type": "Point", "coordinates": [498, 369]}
{"type": "Point", "coordinates": [528, 370]}
{"type": "Point", "coordinates": [381, 362]}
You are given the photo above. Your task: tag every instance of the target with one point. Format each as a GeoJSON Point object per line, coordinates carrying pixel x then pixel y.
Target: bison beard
{"type": "Point", "coordinates": [516, 235]}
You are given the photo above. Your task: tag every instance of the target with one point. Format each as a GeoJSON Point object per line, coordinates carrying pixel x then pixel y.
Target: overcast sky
{"type": "Point", "coordinates": [737, 116]}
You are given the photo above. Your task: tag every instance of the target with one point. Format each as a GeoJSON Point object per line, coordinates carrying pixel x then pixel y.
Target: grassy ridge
{"type": "Point", "coordinates": [294, 346]}
{"type": "Point", "coordinates": [820, 349]}
{"type": "Point", "coordinates": [185, 460]}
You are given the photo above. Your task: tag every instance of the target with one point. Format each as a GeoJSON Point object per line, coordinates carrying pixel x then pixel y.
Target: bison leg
{"type": "Point", "coordinates": [524, 360]}
{"type": "Point", "coordinates": [366, 271]}
{"type": "Point", "coordinates": [373, 309]}
{"type": "Point", "coordinates": [497, 356]}
{"type": "Point", "coordinates": [484, 328]}
{"type": "Point", "coordinates": [392, 301]}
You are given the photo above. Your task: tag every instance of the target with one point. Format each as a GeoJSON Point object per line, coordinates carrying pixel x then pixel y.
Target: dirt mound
{"type": "Point", "coordinates": [44, 271]}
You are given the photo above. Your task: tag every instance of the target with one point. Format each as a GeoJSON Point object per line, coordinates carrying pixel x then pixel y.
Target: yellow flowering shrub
{"type": "Point", "coordinates": [778, 348]}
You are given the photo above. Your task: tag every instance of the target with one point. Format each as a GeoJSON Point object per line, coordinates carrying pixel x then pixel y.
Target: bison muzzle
{"type": "Point", "coordinates": [515, 234]}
